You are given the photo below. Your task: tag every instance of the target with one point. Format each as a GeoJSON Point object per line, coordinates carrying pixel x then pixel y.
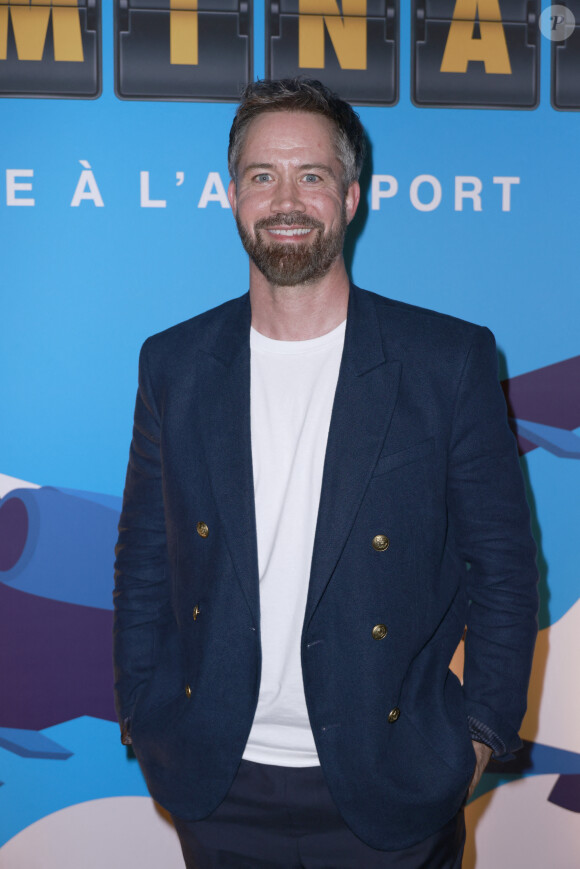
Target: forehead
{"type": "Point", "coordinates": [304, 136]}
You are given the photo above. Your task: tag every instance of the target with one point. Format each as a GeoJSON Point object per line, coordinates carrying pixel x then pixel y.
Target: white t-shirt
{"type": "Point", "coordinates": [292, 393]}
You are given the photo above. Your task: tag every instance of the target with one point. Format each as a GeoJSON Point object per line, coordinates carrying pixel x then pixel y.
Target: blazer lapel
{"type": "Point", "coordinates": [365, 398]}
{"type": "Point", "coordinates": [364, 401]}
{"type": "Point", "coordinates": [226, 434]}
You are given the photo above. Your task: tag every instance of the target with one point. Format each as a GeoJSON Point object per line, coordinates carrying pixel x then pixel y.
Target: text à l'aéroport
{"type": "Point", "coordinates": [423, 193]}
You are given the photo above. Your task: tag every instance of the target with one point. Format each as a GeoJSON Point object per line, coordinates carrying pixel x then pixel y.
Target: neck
{"type": "Point", "coordinates": [302, 312]}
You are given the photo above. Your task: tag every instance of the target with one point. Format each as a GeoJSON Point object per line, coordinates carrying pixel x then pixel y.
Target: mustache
{"type": "Point", "coordinates": [293, 218]}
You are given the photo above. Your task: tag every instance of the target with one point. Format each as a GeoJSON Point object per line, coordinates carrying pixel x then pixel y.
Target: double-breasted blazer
{"type": "Point", "coordinates": [419, 455]}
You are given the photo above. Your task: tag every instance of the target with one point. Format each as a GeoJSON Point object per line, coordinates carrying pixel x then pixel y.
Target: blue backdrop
{"type": "Point", "coordinates": [114, 225]}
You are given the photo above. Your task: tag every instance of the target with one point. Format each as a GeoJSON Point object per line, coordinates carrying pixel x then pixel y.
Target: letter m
{"type": "Point", "coordinates": [30, 19]}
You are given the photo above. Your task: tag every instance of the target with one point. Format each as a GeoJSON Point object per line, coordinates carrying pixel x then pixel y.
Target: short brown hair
{"type": "Point", "coordinates": [300, 95]}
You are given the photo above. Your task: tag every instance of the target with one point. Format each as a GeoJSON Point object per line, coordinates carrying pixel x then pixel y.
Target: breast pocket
{"type": "Point", "coordinates": [409, 454]}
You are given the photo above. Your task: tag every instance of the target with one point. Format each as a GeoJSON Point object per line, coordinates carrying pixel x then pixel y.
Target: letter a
{"type": "Point", "coordinates": [491, 47]}
{"type": "Point", "coordinates": [87, 188]}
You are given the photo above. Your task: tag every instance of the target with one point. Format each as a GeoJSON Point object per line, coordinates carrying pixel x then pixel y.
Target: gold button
{"type": "Point", "coordinates": [202, 529]}
{"type": "Point", "coordinates": [379, 632]}
{"type": "Point", "coordinates": [393, 714]}
{"type": "Point", "coordinates": [380, 542]}
{"type": "Point", "coordinates": [196, 612]}
{"type": "Point", "coordinates": [188, 691]}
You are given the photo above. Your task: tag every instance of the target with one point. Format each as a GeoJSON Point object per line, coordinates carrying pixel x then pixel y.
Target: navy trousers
{"type": "Point", "coordinates": [277, 817]}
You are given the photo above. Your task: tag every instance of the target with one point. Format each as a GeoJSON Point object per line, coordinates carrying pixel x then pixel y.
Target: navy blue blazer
{"type": "Point", "coordinates": [419, 450]}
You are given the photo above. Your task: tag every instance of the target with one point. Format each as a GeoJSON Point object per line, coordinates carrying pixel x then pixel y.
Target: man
{"type": "Point", "coordinates": [313, 470]}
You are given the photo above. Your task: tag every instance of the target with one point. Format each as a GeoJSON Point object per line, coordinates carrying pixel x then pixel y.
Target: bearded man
{"type": "Point", "coordinates": [312, 468]}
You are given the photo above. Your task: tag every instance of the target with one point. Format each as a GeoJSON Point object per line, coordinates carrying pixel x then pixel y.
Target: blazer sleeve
{"type": "Point", "coordinates": [490, 522]}
{"type": "Point", "coordinates": [141, 597]}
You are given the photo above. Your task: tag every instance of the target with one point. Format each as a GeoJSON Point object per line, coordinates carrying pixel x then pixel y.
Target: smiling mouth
{"type": "Point", "coordinates": [290, 232]}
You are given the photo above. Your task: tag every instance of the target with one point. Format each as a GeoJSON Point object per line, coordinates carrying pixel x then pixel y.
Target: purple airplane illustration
{"type": "Point", "coordinates": [544, 408]}
{"type": "Point", "coordinates": [56, 558]}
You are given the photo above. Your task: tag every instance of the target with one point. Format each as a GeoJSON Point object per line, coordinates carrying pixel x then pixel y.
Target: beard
{"type": "Point", "coordinates": [287, 265]}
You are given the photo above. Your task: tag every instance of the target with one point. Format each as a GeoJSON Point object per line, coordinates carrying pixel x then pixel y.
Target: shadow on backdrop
{"type": "Point", "coordinates": [358, 222]}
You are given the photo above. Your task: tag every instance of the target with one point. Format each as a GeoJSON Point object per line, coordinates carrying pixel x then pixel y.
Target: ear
{"type": "Point", "coordinates": [351, 200]}
{"type": "Point", "coordinates": [232, 197]}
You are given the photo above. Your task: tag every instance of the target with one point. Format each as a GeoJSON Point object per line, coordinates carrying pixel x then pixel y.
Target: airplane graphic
{"type": "Point", "coordinates": [56, 562]}
{"type": "Point", "coordinates": [544, 408]}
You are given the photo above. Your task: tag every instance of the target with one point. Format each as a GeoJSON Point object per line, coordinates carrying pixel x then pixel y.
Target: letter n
{"type": "Point", "coordinates": [348, 33]}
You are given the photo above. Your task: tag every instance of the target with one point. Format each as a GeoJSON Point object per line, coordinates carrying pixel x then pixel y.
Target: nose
{"type": "Point", "coordinates": [287, 197]}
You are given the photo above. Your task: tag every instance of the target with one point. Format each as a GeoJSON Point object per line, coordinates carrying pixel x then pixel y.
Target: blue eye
{"type": "Point", "coordinates": [311, 178]}
{"type": "Point", "coordinates": [263, 176]}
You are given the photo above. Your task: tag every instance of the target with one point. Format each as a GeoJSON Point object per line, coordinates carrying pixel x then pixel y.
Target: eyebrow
{"type": "Point", "coordinates": [251, 166]}
{"type": "Point", "coordinates": [305, 167]}
{"type": "Point", "coordinates": [308, 166]}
